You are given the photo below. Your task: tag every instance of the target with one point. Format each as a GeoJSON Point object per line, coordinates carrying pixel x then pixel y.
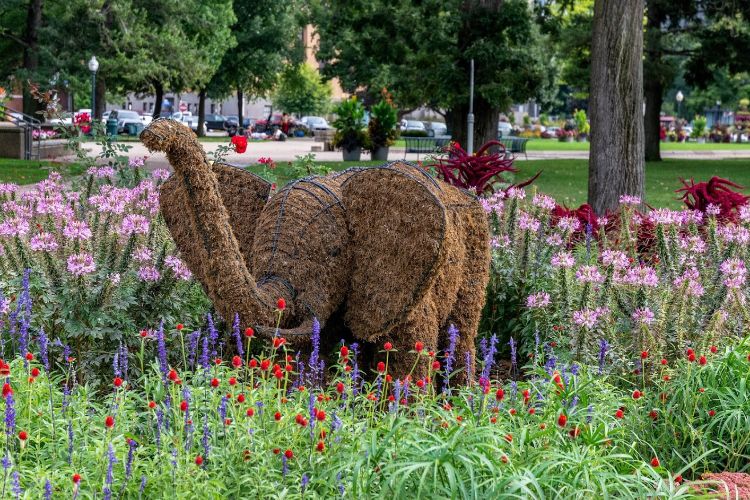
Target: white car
{"type": "Point", "coordinates": [186, 118]}
{"type": "Point", "coordinates": [125, 117]}
{"type": "Point", "coordinates": [412, 126]}
{"type": "Point", "coordinates": [315, 123]}
{"type": "Point", "coordinates": [504, 129]}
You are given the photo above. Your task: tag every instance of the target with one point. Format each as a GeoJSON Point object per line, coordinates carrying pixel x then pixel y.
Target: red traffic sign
{"type": "Point", "coordinates": [183, 106]}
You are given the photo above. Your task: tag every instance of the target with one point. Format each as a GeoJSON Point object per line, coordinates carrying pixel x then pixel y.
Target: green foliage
{"type": "Point", "coordinates": [302, 92]}
{"type": "Point", "coordinates": [305, 165]}
{"type": "Point", "coordinates": [382, 129]}
{"type": "Point", "coordinates": [582, 123]}
{"type": "Point", "coordinates": [699, 126]}
{"type": "Point", "coordinates": [350, 115]}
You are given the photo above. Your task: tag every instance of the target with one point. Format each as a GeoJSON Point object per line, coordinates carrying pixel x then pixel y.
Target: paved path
{"type": "Point", "coordinates": [288, 150]}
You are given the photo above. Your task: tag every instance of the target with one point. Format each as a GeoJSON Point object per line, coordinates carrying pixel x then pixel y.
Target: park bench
{"type": "Point", "coordinates": [514, 145]}
{"type": "Point", "coordinates": [425, 145]}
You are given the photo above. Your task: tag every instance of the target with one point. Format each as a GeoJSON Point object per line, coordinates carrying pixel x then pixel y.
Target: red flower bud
{"type": "Point", "coordinates": [23, 436]}
{"type": "Point", "coordinates": [152, 404]}
{"type": "Point", "coordinates": [118, 382]}
{"type": "Point", "coordinates": [702, 361]}
{"type": "Point", "coordinates": [180, 326]}
{"type": "Point", "coordinates": [320, 415]}
{"type": "Point", "coordinates": [29, 356]}
{"type": "Point", "coordinates": [562, 420]}
{"type": "Point", "coordinates": [249, 332]}
{"type": "Point", "coordinates": [711, 413]}
{"type": "Point", "coordinates": [76, 478]}
{"type": "Point", "coordinates": [250, 412]}
{"type": "Point", "coordinates": [237, 361]}
{"type": "Point", "coordinates": [7, 390]}
{"type": "Point", "coordinates": [655, 462]}
{"type": "Point", "coordinates": [418, 346]}
{"type": "Point", "coordinates": [344, 352]}
{"type": "Point", "coordinates": [320, 446]}
{"type": "Point", "coordinates": [277, 416]}
{"type": "Point", "coordinates": [340, 387]}
{"type": "Point", "coordinates": [214, 382]}
{"type": "Point", "coordinates": [289, 454]}
{"type": "Point", "coordinates": [109, 422]}
{"type": "Point", "coordinates": [199, 460]}
{"type": "Point", "coordinates": [381, 367]}
{"type": "Point", "coordinates": [500, 394]}
{"type": "Point", "coordinates": [281, 304]}
{"type": "Point", "coordinates": [664, 361]}
{"type": "Point", "coordinates": [619, 414]}
{"type": "Point", "coordinates": [232, 381]}
{"type": "Point", "coordinates": [35, 372]}
{"type": "Point", "coordinates": [436, 366]}
{"type": "Point", "coordinates": [644, 354]}
{"type": "Point", "coordinates": [387, 346]}
{"type": "Point", "coordinates": [183, 405]}
{"type": "Point", "coordinates": [714, 349]}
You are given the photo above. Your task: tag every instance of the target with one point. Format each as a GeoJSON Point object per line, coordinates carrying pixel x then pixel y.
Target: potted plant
{"type": "Point", "coordinates": [699, 128]}
{"type": "Point", "coordinates": [582, 124]}
{"type": "Point", "coordinates": [349, 135]}
{"type": "Point", "coordinates": [382, 129]}
{"type": "Point", "coordinates": [565, 135]}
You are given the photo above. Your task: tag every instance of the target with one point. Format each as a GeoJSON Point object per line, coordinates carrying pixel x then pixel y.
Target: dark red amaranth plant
{"type": "Point", "coordinates": [585, 215]}
{"type": "Point", "coordinates": [716, 191]}
{"type": "Point", "coordinates": [477, 171]}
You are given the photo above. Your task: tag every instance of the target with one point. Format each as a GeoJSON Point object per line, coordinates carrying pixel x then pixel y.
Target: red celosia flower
{"type": "Point", "coordinates": [500, 394]}
{"type": "Point", "coordinates": [23, 436]}
{"type": "Point", "coordinates": [711, 413]}
{"type": "Point", "coordinates": [4, 368]}
{"type": "Point", "coordinates": [436, 366]}
{"type": "Point", "coordinates": [278, 342]}
{"type": "Point", "coordinates": [344, 351]}
{"type": "Point", "coordinates": [509, 438]}
{"type": "Point", "coordinates": [619, 414]}
{"type": "Point", "coordinates": [227, 421]}
{"type": "Point", "coordinates": [562, 420]}
{"type": "Point", "coordinates": [702, 361]}
{"type": "Point", "coordinates": [289, 454]}
{"type": "Point", "coordinates": [232, 381]}
{"type": "Point", "coordinates": [691, 357]}
{"type": "Point", "coordinates": [29, 356]}
{"type": "Point", "coordinates": [526, 396]}
{"type": "Point", "coordinates": [340, 387]}
{"type": "Point", "coordinates": [250, 412]}
{"type": "Point", "coordinates": [664, 361]}
{"type": "Point", "coordinates": [240, 143]}
{"type": "Point", "coordinates": [678, 479]}
{"type": "Point", "coordinates": [387, 346]}
{"type": "Point", "coordinates": [644, 354]}
{"type": "Point", "coordinates": [512, 411]}
{"type": "Point", "coordinates": [35, 372]}
{"type": "Point", "coordinates": [532, 411]}
{"type": "Point", "coordinates": [653, 414]}
{"type": "Point", "coordinates": [183, 405]}
{"type": "Point", "coordinates": [7, 390]}
{"type": "Point", "coordinates": [217, 361]}
{"type": "Point", "coordinates": [265, 364]}
{"type": "Point", "coordinates": [418, 346]}
{"type": "Point", "coordinates": [144, 334]}
{"type": "Point", "coordinates": [249, 332]}
{"type": "Point", "coordinates": [420, 383]}
{"type": "Point", "coordinates": [109, 422]}
{"type": "Point", "coordinates": [714, 349]}
{"type": "Point", "coordinates": [214, 382]}
{"type": "Point", "coordinates": [320, 446]}
{"type": "Point", "coordinates": [574, 432]}
{"type": "Point", "coordinates": [236, 361]}
{"type": "Point", "coordinates": [504, 459]}
{"type": "Point", "coordinates": [637, 394]}
{"type": "Point", "coordinates": [253, 363]}
{"type": "Point", "coordinates": [381, 366]}
{"type": "Point", "coordinates": [320, 415]}
{"type": "Point", "coordinates": [716, 191]}
{"type": "Point", "coordinates": [702, 390]}
{"type": "Point", "coordinates": [277, 416]}
{"type": "Point", "coordinates": [281, 304]}
{"type": "Point", "coordinates": [199, 460]}
{"type": "Point", "coordinates": [655, 462]}
{"type": "Point", "coordinates": [172, 375]}
{"type": "Point", "coordinates": [276, 451]}
{"type": "Point", "coordinates": [117, 382]}
{"type": "Point", "coordinates": [180, 326]}
{"type": "Point", "coordinates": [76, 478]}
{"type": "Point", "coordinates": [152, 404]}
{"type": "Point", "coordinates": [240, 398]}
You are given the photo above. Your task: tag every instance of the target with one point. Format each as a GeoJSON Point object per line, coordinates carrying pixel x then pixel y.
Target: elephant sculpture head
{"type": "Point", "coordinates": [374, 254]}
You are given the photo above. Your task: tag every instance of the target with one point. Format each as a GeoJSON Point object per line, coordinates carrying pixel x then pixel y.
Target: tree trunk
{"type": "Point", "coordinates": [654, 94]}
{"type": "Point", "coordinates": [158, 99]}
{"type": "Point", "coordinates": [101, 97]}
{"type": "Point", "coordinates": [201, 113]}
{"type": "Point", "coordinates": [616, 159]}
{"type": "Point", "coordinates": [31, 54]}
{"type": "Point", "coordinates": [240, 98]}
{"type": "Point", "coordinates": [485, 122]}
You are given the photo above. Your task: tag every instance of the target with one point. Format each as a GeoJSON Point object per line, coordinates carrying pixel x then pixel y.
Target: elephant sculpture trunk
{"type": "Point", "coordinates": [375, 254]}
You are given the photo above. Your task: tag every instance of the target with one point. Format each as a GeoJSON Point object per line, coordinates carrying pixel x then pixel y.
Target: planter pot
{"type": "Point", "coordinates": [566, 139]}
{"type": "Point", "coordinates": [581, 139]}
{"type": "Point", "coordinates": [352, 154]}
{"type": "Point", "coordinates": [380, 154]}
{"type": "Point", "coordinates": [701, 140]}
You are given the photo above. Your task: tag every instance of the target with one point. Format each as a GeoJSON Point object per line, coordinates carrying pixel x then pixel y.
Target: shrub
{"type": "Point", "coordinates": [382, 130]}
{"type": "Point", "coordinates": [349, 121]}
{"type": "Point", "coordinates": [582, 123]}
{"type": "Point", "coordinates": [699, 127]}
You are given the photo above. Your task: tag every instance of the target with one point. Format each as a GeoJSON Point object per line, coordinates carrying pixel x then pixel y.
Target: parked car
{"type": "Point", "coordinates": [552, 131]}
{"type": "Point", "coordinates": [187, 119]}
{"type": "Point", "coordinates": [146, 119]}
{"type": "Point", "coordinates": [311, 123]}
{"type": "Point", "coordinates": [64, 119]}
{"type": "Point", "coordinates": [231, 121]}
{"type": "Point", "coordinates": [214, 121]}
{"type": "Point", "coordinates": [504, 129]}
{"type": "Point", "coordinates": [412, 126]}
{"type": "Point", "coordinates": [435, 129]}
{"type": "Point", "coordinates": [123, 117]}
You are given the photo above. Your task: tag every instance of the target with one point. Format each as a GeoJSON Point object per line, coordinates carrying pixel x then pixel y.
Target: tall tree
{"type": "Point", "coordinates": [421, 51]}
{"type": "Point", "coordinates": [616, 162]}
{"type": "Point", "coordinates": [300, 91]}
{"type": "Point", "coordinates": [267, 33]}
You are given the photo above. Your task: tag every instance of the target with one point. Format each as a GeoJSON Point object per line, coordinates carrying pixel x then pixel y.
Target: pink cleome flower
{"type": "Point", "coordinates": [81, 264]}
{"type": "Point", "coordinates": [538, 300]}
{"type": "Point", "coordinates": [43, 242]}
{"type": "Point", "coordinates": [77, 230]}
{"type": "Point", "coordinates": [134, 224]}
{"type": "Point", "coordinates": [148, 273]}
{"type": "Point", "coordinates": [589, 274]}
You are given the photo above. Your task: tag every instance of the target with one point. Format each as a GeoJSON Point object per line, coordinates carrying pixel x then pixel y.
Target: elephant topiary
{"type": "Point", "coordinates": [375, 254]}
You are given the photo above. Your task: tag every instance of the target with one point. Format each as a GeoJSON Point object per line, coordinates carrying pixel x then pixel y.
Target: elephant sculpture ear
{"type": "Point", "coordinates": [397, 225]}
{"type": "Point", "coordinates": [244, 195]}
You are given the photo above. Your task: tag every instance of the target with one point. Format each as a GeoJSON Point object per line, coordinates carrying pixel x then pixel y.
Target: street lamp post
{"type": "Point", "coordinates": [93, 67]}
{"type": "Point", "coordinates": [679, 97]}
{"type": "Point", "coordinates": [470, 118]}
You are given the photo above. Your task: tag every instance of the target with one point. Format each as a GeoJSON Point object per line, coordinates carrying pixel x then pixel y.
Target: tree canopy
{"type": "Point", "coordinates": [301, 91]}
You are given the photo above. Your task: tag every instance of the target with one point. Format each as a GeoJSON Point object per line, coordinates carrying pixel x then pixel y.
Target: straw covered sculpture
{"type": "Point", "coordinates": [382, 254]}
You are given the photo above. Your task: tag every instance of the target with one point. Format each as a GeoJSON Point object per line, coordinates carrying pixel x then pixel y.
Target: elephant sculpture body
{"type": "Point", "coordinates": [382, 254]}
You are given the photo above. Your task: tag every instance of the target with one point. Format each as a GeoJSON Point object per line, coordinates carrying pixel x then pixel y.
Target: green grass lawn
{"type": "Point", "coordinates": [555, 145]}
{"type": "Point", "coordinates": [567, 180]}
{"type": "Point", "coordinates": [31, 171]}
